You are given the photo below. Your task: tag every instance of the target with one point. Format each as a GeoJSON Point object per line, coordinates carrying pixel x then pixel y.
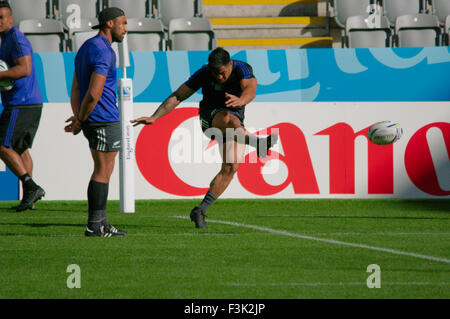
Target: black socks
{"type": "Point", "coordinates": [27, 182]}
{"type": "Point", "coordinates": [208, 200]}
{"type": "Point", "coordinates": [97, 199]}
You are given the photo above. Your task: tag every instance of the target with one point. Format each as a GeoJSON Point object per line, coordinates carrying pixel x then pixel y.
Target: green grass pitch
{"type": "Point", "coordinates": [263, 248]}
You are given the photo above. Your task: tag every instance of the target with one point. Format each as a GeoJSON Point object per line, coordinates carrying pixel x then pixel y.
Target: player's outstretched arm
{"type": "Point", "coordinates": [248, 94]}
{"type": "Point", "coordinates": [181, 94]}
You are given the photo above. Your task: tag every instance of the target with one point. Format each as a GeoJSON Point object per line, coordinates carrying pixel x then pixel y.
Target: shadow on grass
{"type": "Point", "coordinates": [40, 210]}
{"type": "Point", "coordinates": [42, 225]}
{"type": "Point", "coordinates": [128, 226]}
{"type": "Point", "coordinates": [434, 205]}
{"type": "Point", "coordinates": [40, 235]}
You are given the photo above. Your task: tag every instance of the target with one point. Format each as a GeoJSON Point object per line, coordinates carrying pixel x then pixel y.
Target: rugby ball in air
{"type": "Point", "coordinates": [384, 133]}
{"type": "Point", "coordinates": [5, 85]}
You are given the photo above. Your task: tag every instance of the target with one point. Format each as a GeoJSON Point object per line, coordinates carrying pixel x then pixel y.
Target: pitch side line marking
{"type": "Point", "coordinates": [325, 240]}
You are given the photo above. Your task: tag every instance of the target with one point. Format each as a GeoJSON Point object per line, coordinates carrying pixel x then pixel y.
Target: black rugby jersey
{"type": "Point", "coordinates": [214, 92]}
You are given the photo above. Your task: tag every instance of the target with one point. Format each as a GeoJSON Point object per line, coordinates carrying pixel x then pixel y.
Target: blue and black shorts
{"type": "Point", "coordinates": [103, 136]}
{"type": "Point", "coordinates": [206, 118]}
{"type": "Point", "coordinates": [18, 126]}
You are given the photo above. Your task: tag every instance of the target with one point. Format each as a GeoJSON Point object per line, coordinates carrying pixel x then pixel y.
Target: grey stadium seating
{"type": "Point", "coordinates": [70, 10]}
{"type": "Point", "coordinates": [395, 8]}
{"type": "Point", "coordinates": [173, 9]}
{"type": "Point", "coordinates": [132, 8]}
{"type": "Point", "coordinates": [447, 31]}
{"type": "Point", "coordinates": [145, 35]}
{"type": "Point", "coordinates": [44, 35]}
{"type": "Point", "coordinates": [441, 8]}
{"type": "Point", "coordinates": [79, 38]}
{"type": "Point", "coordinates": [30, 10]}
{"type": "Point", "coordinates": [361, 34]}
{"type": "Point", "coordinates": [342, 9]}
{"type": "Point", "coordinates": [191, 34]}
{"type": "Point", "coordinates": [417, 30]}
{"type": "Point", "coordinates": [82, 32]}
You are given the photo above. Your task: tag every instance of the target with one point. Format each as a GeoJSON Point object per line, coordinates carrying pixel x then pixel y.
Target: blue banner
{"type": "Point", "coordinates": [9, 186]}
{"type": "Point", "coordinates": [303, 75]}
{"type": "Point", "coordinates": [9, 183]}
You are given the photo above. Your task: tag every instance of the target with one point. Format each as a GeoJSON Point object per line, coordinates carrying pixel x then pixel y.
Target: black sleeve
{"type": "Point", "coordinates": [246, 70]}
{"type": "Point", "coordinates": [196, 81]}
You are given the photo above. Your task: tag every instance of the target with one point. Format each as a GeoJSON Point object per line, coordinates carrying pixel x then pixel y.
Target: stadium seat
{"type": "Point", "coordinates": [78, 38]}
{"type": "Point", "coordinates": [395, 8]}
{"type": "Point", "coordinates": [132, 8]}
{"type": "Point", "coordinates": [417, 30]}
{"type": "Point", "coordinates": [447, 31]}
{"type": "Point", "coordinates": [172, 9]}
{"type": "Point", "coordinates": [71, 11]}
{"type": "Point", "coordinates": [44, 35]}
{"type": "Point", "coordinates": [81, 32]}
{"type": "Point", "coordinates": [145, 35]}
{"type": "Point", "coordinates": [441, 8]}
{"type": "Point", "coordinates": [30, 10]}
{"type": "Point", "coordinates": [360, 34]}
{"type": "Point", "coordinates": [191, 34]}
{"type": "Point", "coordinates": [342, 9]}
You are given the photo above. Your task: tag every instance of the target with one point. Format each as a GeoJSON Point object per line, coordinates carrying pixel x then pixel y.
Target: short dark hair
{"type": "Point", "coordinates": [5, 4]}
{"type": "Point", "coordinates": [218, 57]}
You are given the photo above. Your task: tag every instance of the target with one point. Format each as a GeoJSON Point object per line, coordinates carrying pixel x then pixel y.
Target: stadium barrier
{"type": "Point", "coordinates": [321, 101]}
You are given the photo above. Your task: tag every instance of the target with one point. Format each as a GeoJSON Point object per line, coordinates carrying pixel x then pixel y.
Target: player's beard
{"type": "Point", "coordinates": [116, 38]}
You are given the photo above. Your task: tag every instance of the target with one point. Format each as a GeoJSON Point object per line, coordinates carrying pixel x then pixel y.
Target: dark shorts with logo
{"type": "Point", "coordinates": [18, 126]}
{"type": "Point", "coordinates": [103, 137]}
{"type": "Point", "coordinates": [206, 118]}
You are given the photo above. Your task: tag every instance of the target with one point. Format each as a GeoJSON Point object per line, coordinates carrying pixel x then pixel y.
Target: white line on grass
{"type": "Point", "coordinates": [325, 240]}
{"type": "Point", "coordinates": [383, 234]}
{"type": "Point", "coordinates": [317, 284]}
{"type": "Point", "coordinates": [348, 215]}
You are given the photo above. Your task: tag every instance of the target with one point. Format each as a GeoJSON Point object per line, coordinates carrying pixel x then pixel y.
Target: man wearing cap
{"type": "Point", "coordinates": [95, 112]}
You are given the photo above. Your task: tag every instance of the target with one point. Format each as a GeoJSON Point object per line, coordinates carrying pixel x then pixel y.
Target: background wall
{"type": "Point", "coordinates": [321, 101]}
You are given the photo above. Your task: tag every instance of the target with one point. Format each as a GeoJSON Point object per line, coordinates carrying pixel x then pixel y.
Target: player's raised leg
{"type": "Point", "coordinates": [224, 120]}
{"type": "Point", "coordinates": [261, 144]}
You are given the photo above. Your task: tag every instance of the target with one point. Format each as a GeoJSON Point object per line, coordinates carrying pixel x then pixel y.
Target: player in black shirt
{"type": "Point", "coordinates": [227, 86]}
